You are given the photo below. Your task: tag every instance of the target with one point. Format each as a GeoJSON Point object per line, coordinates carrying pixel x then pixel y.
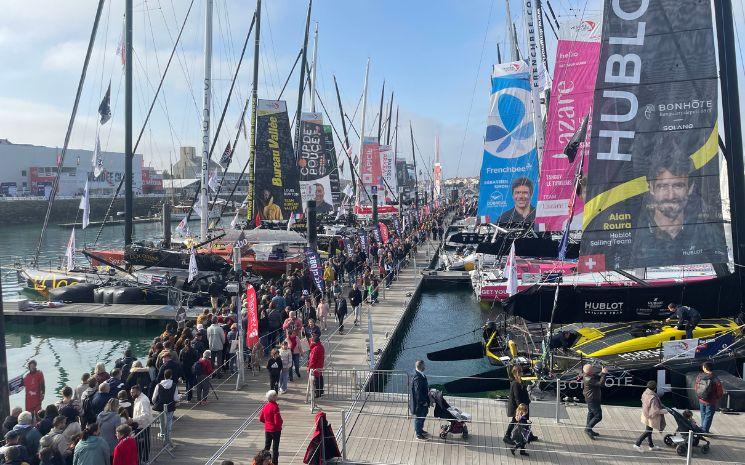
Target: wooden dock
{"type": "Point", "coordinates": [95, 314]}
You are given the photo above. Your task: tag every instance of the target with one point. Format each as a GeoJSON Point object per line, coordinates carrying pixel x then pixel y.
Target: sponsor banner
{"type": "Point", "coordinates": [397, 225]}
{"type": "Point", "coordinates": [314, 266]}
{"type": "Point", "coordinates": [375, 231]}
{"type": "Point", "coordinates": [682, 349]}
{"type": "Point", "coordinates": [348, 246]}
{"type": "Point", "coordinates": [509, 169]}
{"type": "Point", "coordinates": [384, 235]}
{"type": "Point", "coordinates": [315, 181]}
{"type": "Point", "coordinates": [370, 170]}
{"type": "Point", "coordinates": [364, 240]}
{"type": "Point", "coordinates": [252, 329]}
{"type": "Point", "coordinates": [367, 209]}
{"type": "Point", "coordinates": [653, 184]}
{"type": "Point", "coordinates": [388, 172]}
{"type": "Point", "coordinates": [576, 68]}
{"type": "Point", "coordinates": [332, 167]}
{"type": "Point", "coordinates": [277, 186]}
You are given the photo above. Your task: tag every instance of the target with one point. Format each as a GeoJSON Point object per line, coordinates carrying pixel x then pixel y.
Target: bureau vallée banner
{"type": "Point", "coordinates": [276, 183]}
{"type": "Point", "coordinates": [575, 71]}
{"type": "Point", "coordinates": [509, 170]}
{"type": "Point", "coordinates": [653, 182]}
{"type": "Point", "coordinates": [313, 165]}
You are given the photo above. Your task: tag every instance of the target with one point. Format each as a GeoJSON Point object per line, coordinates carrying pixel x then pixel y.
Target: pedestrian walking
{"type": "Point", "coordinates": [653, 416]}
{"type": "Point", "coordinates": [164, 400]}
{"type": "Point", "coordinates": [285, 354]}
{"type": "Point", "coordinates": [316, 360]}
{"type": "Point", "coordinates": [521, 434]}
{"type": "Point", "coordinates": [274, 367]}
{"type": "Point", "coordinates": [33, 383]}
{"type": "Point", "coordinates": [341, 313]}
{"type": "Point", "coordinates": [272, 419]}
{"type": "Point", "coordinates": [518, 396]}
{"type": "Point", "coordinates": [355, 300]}
{"type": "Point", "coordinates": [419, 400]}
{"type": "Point", "coordinates": [297, 351]}
{"type": "Point", "coordinates": [708, 391]}
{"type": "Point", "coordinates": [202, 370]}
{"type": "Point", "coordinates": [592, 387]}
{"type": "Point", "coordinates": [322, 312]}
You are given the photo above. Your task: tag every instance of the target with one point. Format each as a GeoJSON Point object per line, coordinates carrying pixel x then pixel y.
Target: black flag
{"type": "Point", "coordinates": [105, 108]}
{"type": "Point", "coordinates": [227, 155]}
{"type": "Point", "coordinates": [571, 149]}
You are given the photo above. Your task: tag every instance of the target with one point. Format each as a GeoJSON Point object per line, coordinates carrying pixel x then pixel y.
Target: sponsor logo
{"type": "Point", "coordinates": [603, 308]}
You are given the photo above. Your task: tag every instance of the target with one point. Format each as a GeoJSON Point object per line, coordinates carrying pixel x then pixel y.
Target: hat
{"type": "Point", "coordinates": [11, 435]}
{"type": "Point", "coordinates": [200, 327]}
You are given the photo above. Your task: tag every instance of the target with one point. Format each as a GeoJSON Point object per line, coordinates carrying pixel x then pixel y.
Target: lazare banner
{"type": "Point", "coordinates": [576, 68]}
{"type": "Point", "coordinates": [653, 181]}
{"type": "Point", "coordinates": [276, 183]}
{"type": "Point", "coordinates": [313, 165]}
{"type": "Point", "coordinates": [509, 170]}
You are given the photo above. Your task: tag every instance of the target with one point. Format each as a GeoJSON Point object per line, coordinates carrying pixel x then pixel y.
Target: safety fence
{"type": "Point", "coordinates": [351, 385]}
{"type": "Point", "coordinates": [154, 439]}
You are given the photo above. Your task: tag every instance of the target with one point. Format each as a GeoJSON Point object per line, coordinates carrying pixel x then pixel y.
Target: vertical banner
{"type": "Point", "coordinates": [252, 329]}
{"type": "Point", "coordinates": [576, 68]}
{"type": "Point", "coordinates": [277, 187]}
{"type": "Point", "coordinates": [653, 181]}
{"type": "Point", "coordinates": [397, 225]}
{"type": "Point", "coordinates": [370, 170]}
{"type": "Point", "coordinates": [348, 246]}
{"type": "Point", "coordinates": [375, 231]}
{"type": "Point", "coordinates": [364, 240]}
{"type": "Point", "coordinates": [384, 236]}
{"type": "Point", "coordinates": [315, 268]}
{"type": "Point", "coordinates": [510, 166]}
{"type": "Point", "coordinates": [388, 173]}
{"type": "Point", "coordinates": [315, 182]}
{"type": "Point", "coordinates": [332, 167]}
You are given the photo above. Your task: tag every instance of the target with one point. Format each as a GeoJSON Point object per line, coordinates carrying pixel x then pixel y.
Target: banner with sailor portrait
{"type": "Point", "coordinates": [315, 179]}
{"type": "Point", "coordinates": [653, 194]}
{"type": "Point", "coordinates": [507, 190]}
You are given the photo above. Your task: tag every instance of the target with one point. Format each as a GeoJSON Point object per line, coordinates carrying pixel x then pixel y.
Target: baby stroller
{"type": "Point", "coordinates": [679, 440]}
{"type": "Point", "coordinates": [457, 419]}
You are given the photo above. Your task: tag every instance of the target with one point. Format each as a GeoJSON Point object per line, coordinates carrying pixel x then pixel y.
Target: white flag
{"type": "Point", "coordinates": [85, 205]}
{"type": "Point", "coordinates": [510, 270]}
{"type": "Point", "coordinates": [349, 191]}
{"type": "Point", "coordinates": [70, 252]}
{"type": "Point", "coordinates": [234, 221]}
{"type": "Point", "coordinates": [290, 221]}
{"type": "Point", "coordinates": [181, 228]}
{"type": "Point", "coordinates": [212, 181]}
{"type": "Point", "coordinates": [97, 159]}
{"type": "Point", "coordinates": [198, 206]}
{"type": "Point", "coordinates": [193, 270]}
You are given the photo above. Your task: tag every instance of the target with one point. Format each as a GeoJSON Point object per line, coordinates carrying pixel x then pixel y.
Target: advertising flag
{"type": "Point", "coordinates": [193, 270]}
{"type": "Point", "coordinates": [332, 169]}
{"type": "Point", "coordinates": [575, 71]}
{"type": "Point", "coordinates": [370, 170]}
{"type": "Point", "coordinates": [97, 161]}
{"type": "Point", "coordinates": [348, 246]}
{"type": "Point", "coordinates": [653, 194]}
{"type": "Point", "coordinates": [181, 227]}
{"type": "Point", "coordinates": [364, 240]}
{"type": "Point", "coordinates": [85, 205]}
{"type": "Point", "coordinates": [70, 252]}
{"type": "Point", "coordinates": [376, 233]}
{"type": "Point", "coordinates": [510, 270]}
{"type": "Point", "coordinates": [276, 183]}
{"type": "Point", "coordinates": [252, 326]}
{"type": "Point", "coordinates": [383, 232]}
{"type": "Point", "coordinates": [509, 169]}
{"type": "Point", "coordinates": [388, 173]}
{"type": "Point", "coordinates": [313, 261]}
{"type": "Point", "coordinates": [397, 225]}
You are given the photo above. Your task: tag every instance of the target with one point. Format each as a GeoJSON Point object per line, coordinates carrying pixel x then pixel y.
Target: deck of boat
{"type": "Point", "coordinates": [98, 314]}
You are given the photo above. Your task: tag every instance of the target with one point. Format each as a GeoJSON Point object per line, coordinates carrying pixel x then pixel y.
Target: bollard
{"type": "Point", "coordinates": [344, 436]}
{"type": "Point", "coordinates": [689, 452]}
{"type": "Point", "coordinates": [558, 399]}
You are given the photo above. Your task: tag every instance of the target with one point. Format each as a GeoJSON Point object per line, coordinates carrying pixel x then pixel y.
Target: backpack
{"type": "Point", "coordinates": [196, 369]}
{"type": "Point", "coordinates": [704, 386]}
{"type": "Point", "coordinates": [88, 414]}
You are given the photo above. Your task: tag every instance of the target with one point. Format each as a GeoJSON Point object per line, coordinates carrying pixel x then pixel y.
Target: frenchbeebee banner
{"type": "Point", "coordinates": [509, 170]}
{"type": "Point", "coordinates": [653, 193]}
{"type": "Point", "coordinates": [277, 188]}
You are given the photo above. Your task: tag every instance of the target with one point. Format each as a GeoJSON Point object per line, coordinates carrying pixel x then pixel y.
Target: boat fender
{"type": "Point", "coordinates": [513, 348]}
{"type": "Point", "coordinates": [77, 293]}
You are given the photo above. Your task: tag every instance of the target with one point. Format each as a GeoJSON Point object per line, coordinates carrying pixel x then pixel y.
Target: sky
{"type": "Point", "coordinates": [435, 55]}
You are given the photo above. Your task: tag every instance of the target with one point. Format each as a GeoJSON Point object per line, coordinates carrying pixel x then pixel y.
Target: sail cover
{"type": "Point", "coordinates": [277, 188]}
{"type": "Point", "coordinates": [576, 68]}
{"type": "Point", "coordinates": [653, 185]}
{"type": "Point", "coordinates": [509, 168]}
{"type": "Point", "coordinates": [313, 165]}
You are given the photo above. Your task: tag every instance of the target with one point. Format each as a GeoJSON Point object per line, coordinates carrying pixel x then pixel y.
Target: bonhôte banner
{"type": "Point", "coordinates": [315, 181]}
{"type": "Point", "coordinates": [576, 68]}
{"type": "Point", "coordinates": [370, 170]}
{"type": "Point", "coordinates": [509, 170]}
{"type": "Point", "coordinates": [277, 186]}
{"type": "Point", "coordinates": [314, 266]}
{"type": "Point", "coordinates": [653, 187]}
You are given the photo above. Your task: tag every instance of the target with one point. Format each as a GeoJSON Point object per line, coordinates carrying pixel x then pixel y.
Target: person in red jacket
{"type": "Point", "coordinates": [315, 363]}
{"type": "Point", "coordinates": [272, 420]}
{"type": "Point", "coordinates": [125, 452]}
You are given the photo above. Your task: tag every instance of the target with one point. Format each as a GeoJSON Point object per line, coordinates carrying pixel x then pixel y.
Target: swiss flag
{"type": "Point", "coordinates": [591, 263]}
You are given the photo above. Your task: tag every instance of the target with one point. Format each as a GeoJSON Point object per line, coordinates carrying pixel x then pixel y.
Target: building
{"type": "Point", "coordinates": [152, 181]}
{"type": "Point", "coordinates": [189, 165]}
{"type": "Point", "coordinates": [29, 170]}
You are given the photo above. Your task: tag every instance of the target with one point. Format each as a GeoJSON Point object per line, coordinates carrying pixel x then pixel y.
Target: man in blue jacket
{"type": "Point", "coordinates": [419, 400]}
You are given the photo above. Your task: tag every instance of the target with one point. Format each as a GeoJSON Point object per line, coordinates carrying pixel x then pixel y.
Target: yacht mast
{"type": "Point", "coordinates": [313, 71]}
{"type": "Point", "coordinates": [204, 199]}
{"type": "Point", "coordinates": [362, 130]}
{"type": "Point", "coordinates": [128, 153]}
{"type": "Point", "coordinates": [251, 192]}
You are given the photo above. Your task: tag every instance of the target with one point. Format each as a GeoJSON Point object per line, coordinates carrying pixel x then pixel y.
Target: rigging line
{"type": "Point", "coordinates": [351, 124]}
{"type": "Point", "coordinates": [184, 69]}
{"type": "Point", "coordinates": [475, 84]}
{"type": "Point", "coordinates": [421, 157]}
{"type": "Point", "coordinates": [442, 340]}
{"type": "Point", "coordinates": [737, 35]}
{"type": "Point", "coordinates": [147, 116]}
{"type": "Point", "coordinates": [271, 40]}
{"type": "Point", "coordinates": [300, 53]}
{"type": "Point", "coordinates": [70, 125]}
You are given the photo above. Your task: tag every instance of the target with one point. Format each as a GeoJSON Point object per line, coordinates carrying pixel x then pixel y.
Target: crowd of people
{"type": "Point", "coordinates": [101, 420]}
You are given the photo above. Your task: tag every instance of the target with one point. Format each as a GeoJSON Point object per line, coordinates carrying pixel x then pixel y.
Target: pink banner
{"type": "Point", "coordinates": [370, 169]}
{"type": "Point", "coordinates": [572, 90]}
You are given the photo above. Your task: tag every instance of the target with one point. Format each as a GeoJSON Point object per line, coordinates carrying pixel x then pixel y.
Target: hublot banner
{"type": "Point", "coordinates": [653, 193]}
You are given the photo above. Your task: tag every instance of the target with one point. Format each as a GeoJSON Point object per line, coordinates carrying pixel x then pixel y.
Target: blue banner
{"type": "Point", "coordinates": [397, 225]}
{"type": "Point", "coordinates": [314, 265]}
{"type": "Point", "coordinates": [509, 170]}
{"type": "Point", "coordinates": [376, 233]}
{"type": "Point", "coordinates": [364, 241]}
{"type": "Point", "coordinates": [348, 246]}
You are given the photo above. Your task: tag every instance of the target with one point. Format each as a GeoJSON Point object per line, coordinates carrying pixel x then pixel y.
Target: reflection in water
{"type": "Point", "coordinates": [65, 353]}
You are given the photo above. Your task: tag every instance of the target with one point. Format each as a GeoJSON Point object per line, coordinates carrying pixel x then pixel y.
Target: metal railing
{"type": "Point", "coordinates": [352, 384]}
{"type": "Point", "coordinates": [153, 440]}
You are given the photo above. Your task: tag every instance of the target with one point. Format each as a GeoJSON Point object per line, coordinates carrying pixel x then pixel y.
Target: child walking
{"type": "Point", "coordinates": [521, 433]}
{"type": "Point", "coordinates": [274, 366]}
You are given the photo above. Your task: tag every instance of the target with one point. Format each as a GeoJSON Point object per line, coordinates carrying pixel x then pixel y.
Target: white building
{"type": "Point", "coordinates": [29, 170]}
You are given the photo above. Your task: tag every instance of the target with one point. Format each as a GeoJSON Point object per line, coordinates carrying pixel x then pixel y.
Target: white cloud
{"type": "Point", "coordinates": [65, 56]}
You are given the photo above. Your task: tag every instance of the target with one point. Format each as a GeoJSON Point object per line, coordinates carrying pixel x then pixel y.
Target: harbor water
{"type": "Point", "coordinates": [65, 353]}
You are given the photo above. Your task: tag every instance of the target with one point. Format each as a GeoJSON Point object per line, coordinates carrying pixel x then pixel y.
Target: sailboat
{"type": "Point", "coordinates": [636, 187]}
